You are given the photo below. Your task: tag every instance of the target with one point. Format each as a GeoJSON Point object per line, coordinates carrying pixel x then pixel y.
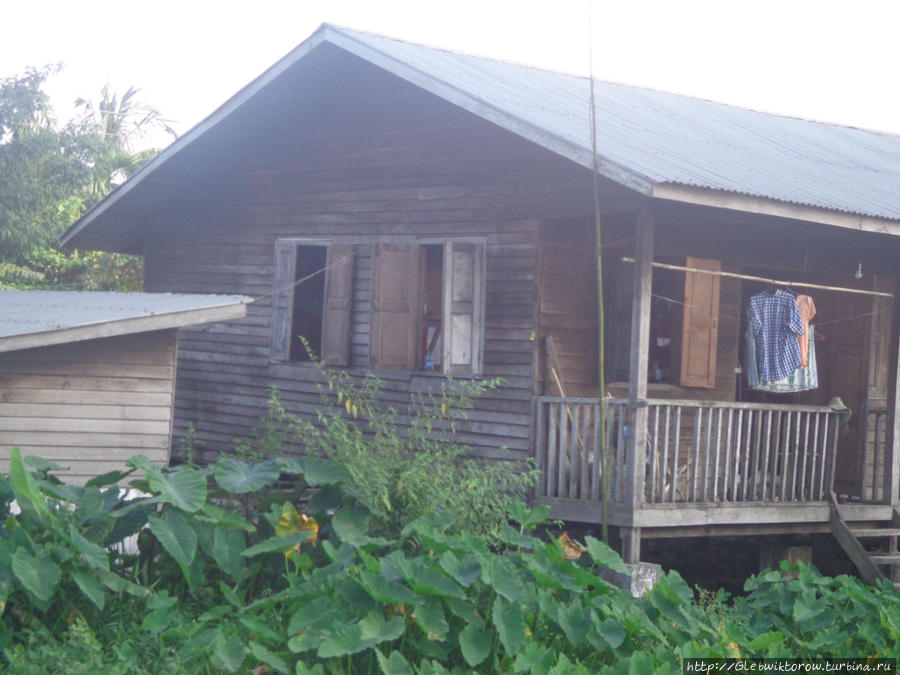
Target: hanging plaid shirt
{"type": "Point", "coordinates": [776, 322]}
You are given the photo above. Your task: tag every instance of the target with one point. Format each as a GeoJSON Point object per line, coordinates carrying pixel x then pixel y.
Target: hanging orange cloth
{"type": "Point", "coordinates": [807, 311]}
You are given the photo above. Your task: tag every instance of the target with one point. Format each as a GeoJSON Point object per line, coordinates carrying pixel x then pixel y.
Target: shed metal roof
{"type": "Point", "coordinates": [40, 318]}
{"type": "Point", "coordinates": [645, 138]}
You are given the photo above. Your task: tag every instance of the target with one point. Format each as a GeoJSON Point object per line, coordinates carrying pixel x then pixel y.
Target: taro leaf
{"type": "Point", "coordinates": [611, 631]}
{"type": "Point", "coordinates": [428, 580]}
{"type": "Point", "coordinates": [372, 630]}
{"type": "Point", "coordinates": [352, 525]}
{"type": "Point", "coordinates": [219, 516]}
{"type": "Point", "coordinates": [603, 555]}
{"type": "Point", "coordinates": [117, 584]}
{"type": "Point", "coordinates": [260, 630]}
{"type": "Point", "coordinates": [269, 658]}
{"type": "Point", "coordinates": [280, 544]}
{"type": "Point", "coordinates": [533, 659]}
{"type": "Point", "coordinates": [229, 651]}
{"type": "Point", "coordinates": [238, 477]}
{"type": "Point", "coordinates": [38, 574]}
{"type": "Point", "coordinates": [501, 575]}
{"type": "Point", "coordinates": [766, 641]}
{"type": "Point", "coordinates": [317, 471]}
{"type": "Point", "coordinates": [183, 487]}
{"type": "Point", "coordinates": [176, 535]}
{"type": "Point", "coordinates": [575, 621]}
{"type": "Point", "coordinates": [90, 585]}
{"type": "Point", "coordinates": [303, 669]}
{"type": "Point", "coordinates": [28, 495]}
{"type": "Point", "coordinates": [475, 643]}
{"type": "Point", "coordinates": [230, 595]}
{"type": "Point", "coordinates": [94, 555]}
{"type": "Point", "coordinates": [512, 537]}
{"type": "Point", "coordinates": [394, 664]}
{"type": "Point", "coordinates": [307, 614]}
{"type": "Point", "coordinates": [431, 619]}
{"type": "Point", "coordinates": [510, 624]}
{"type": "Point", "coordinates": [109, 478]}
{"type": "Point", "coordinates": [808, 606]}
{"type": "Point", "coordinates": [227, 547]}
{"type": "Point", "coordinates": [383, 590]}
{"type": "Point", "coordinates": [464, 571]}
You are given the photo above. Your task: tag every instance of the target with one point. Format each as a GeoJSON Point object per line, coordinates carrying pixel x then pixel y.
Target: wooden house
{"type": "Point", "coordinates": [87, 379]}
{"type": "Point", "coordinates": [440, 211]}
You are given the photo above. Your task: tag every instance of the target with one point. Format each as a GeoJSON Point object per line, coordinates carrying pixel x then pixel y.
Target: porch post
{"type": "Point", "coordinates": [637, 378]}
{"type": "Point", "coordinates": [892, 462]}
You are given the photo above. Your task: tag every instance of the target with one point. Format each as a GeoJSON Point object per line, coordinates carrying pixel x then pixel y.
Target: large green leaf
{"type": "Point", "coordinates": [426, 579]}
{"type": "Point", "coordinates": [269, 658]}
{"type": "Point", "coordinates": [182, 487]}
{"type": "Point", "coordinates": [229, 651]}
{"type": "Point", "coordinates": [464, 571]}
{"type": "Point", "coordinates": [533, 659]}
{"type": "Point", "coordinates": [281, 544]}
{"type": "Point", "coordinates": [315, 470]}
{"type": "Point", "coordinates": [575, 621]}
{"type": "Point", "coordinates": [501, 575]}
{"type": "Point", "coordinates": [384, 590]}
{"type": "Point", "coordinates": [239, 477]}
{"type": "Point", "coordinates": [227, 547]}
{"type": "Point", "coordinates": [611, 631]}
{"type": "Point", "coordinates": [475, 643]}
{"type": "Point", "coordinates": [372, 630]}
{"type": "Point", "coordinates": [38, 574]}
{"type": "Point", "coordinates": [90, 585]}
{"type": "Point", "coordinates": [808, 606]}
{"type": "Point", "coordinates": [175, 534]}
{"type": "Point", "coordinates": [28, 495]}
{"type": "Point", "coordinates": [94, 555]}
{"type": "Point", "coordinates": [509, 621]}
{"type": "Point", "coordinates": [394, 664]}
{"type": "Point", "coordinates": [431, 618]}
{"type": "Point", "coordinates": [602, 554]}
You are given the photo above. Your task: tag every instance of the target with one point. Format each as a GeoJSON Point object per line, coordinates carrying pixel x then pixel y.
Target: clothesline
{"type": "Point", "coordinates": [775, 282]}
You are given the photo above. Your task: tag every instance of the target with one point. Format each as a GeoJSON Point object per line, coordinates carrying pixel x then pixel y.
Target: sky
{"type": "Point", "coordinates": [828, 60]}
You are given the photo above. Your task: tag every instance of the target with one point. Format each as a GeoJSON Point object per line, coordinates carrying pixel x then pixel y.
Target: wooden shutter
{"type": "Point", "coordinates": [463, 310]}
{"type": "Point", "coordinates": [337, 305]}
{"type": "Point", "coordinates": [282, 300]}
{"type": "Point", "coordinates": [397, 306]}
{"type": "Point", "coordinates": [700, 330]}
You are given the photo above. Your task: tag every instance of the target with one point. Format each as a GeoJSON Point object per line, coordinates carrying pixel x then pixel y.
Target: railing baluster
{"type": "Point", "coordinates": [752, 416]}
{"type": "Point", "coordinates": [676, 456]}
{"type": "Point", "coordinates": [664, 464]}
{"type": "Point", "coordinates": [737, 454]}
{"type": "Point", "coordinates": [825, 455]}
{"type": "Point", "coordinates": [695, 461]}
{"type": "Point", "coordinates": [806, 453]}
{"type": "Point", "coordinates": [786, 455]}
{"type": "Point", "coordinates": [565, 464]}
{"type": "Point", "coordinates": [621, 446]}
{"type": "Point", "coordinates": [553, 446]}
{"type": "Point", "coordinates": [653, 449]}
{"type": "Point", "coordinates": [795, 460]}
{"type": "Point", "coordinates": [595, 453]}
{"type": "Point", "coordinates": [718, 454]}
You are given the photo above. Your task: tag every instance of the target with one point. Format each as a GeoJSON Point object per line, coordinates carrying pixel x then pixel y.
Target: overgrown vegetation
{"type": "Point", "coordinates": [297, 564]}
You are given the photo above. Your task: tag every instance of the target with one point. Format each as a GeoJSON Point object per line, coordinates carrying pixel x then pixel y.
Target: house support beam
{"type": "Point", "coordinates": [892, 461]}
{"type": "Point", "coordinates": [637, 378]}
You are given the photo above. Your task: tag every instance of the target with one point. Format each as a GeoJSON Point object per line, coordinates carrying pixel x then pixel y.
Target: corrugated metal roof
{"type": "Point", "coordinates": [667, 138]}
{"type": "Point", "coordinates": [645, 138]}
{"type": "Point", "coordinates": [37, 318]}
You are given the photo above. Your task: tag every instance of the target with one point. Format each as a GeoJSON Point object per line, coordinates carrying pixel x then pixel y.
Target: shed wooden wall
{"type": "Point", "coordinates": [89, 405]}
{"type": "Point", "coordinates": [388, 161]}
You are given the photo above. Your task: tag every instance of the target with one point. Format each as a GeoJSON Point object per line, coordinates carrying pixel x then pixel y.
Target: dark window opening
{"type": "Point", "coordinates": [665, 326]}
{"type": "Point", "coordinates": [309, 302]}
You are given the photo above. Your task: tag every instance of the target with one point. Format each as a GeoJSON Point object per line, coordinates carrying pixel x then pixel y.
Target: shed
{"type": "Point", "coordinates": [87, 378]}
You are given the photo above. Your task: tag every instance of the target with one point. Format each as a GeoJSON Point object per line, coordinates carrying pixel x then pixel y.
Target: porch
{"type": "Point", "coordinates": [704, 467]}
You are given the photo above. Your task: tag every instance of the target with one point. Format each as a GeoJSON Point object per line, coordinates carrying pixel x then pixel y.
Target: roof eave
{"type": "Point", "coordinates": [772, 207]}
{"type": "Point", "coordinates": [129, 326]}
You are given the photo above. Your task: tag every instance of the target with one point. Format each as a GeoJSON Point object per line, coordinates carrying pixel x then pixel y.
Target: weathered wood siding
{"type": "Point", "coordinates": [404, 166]}
{"type": "Point", "coordinates": [89, 405]}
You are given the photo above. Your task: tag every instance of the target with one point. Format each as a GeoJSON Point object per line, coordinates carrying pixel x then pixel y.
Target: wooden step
{"type": "Point", "coordinates": [867, 533]}
{"type": "Point", "coordinates": [885, 558]}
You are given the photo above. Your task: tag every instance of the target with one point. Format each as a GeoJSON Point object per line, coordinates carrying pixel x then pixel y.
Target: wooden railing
{"type": "Point", "coordinates": [696, 451]}
{"type": "Point", "coordinates": [876, 458]}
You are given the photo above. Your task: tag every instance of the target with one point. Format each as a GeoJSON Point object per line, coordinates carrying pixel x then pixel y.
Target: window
{"type": "Point", "coordinates": [313, 288]}
{"type": "Point", "coordinates": [428, 306]}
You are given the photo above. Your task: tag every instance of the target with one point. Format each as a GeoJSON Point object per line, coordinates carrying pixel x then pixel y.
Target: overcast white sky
{"type": "Point", "coordinates": [831, 60]}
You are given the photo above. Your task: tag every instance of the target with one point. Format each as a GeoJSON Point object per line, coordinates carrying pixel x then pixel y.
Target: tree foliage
{"type": "Point", "coordinates": [50, 173]}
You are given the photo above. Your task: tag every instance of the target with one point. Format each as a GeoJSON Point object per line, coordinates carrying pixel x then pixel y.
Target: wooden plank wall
{"type": "Point", "coordinates": [414, 168]}
{"type": "Point", "coordinates": [568, 308]}
{"type": "Point", "coordinates": [89, 405]}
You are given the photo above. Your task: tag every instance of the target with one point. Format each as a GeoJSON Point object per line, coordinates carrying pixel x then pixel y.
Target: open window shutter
{"type": "Point", "coordinates": [338, 299]}
{"type": "Point", "coordinates": [463, 314]}
{"type": "Point", "coordinates": [880, 344]}
{"type": "Point", "coordinates": [700, 331]}
{"type": "Point", "coordinates": [282, 300]}
{"type": "Point", "coordinates": [397, 306]}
